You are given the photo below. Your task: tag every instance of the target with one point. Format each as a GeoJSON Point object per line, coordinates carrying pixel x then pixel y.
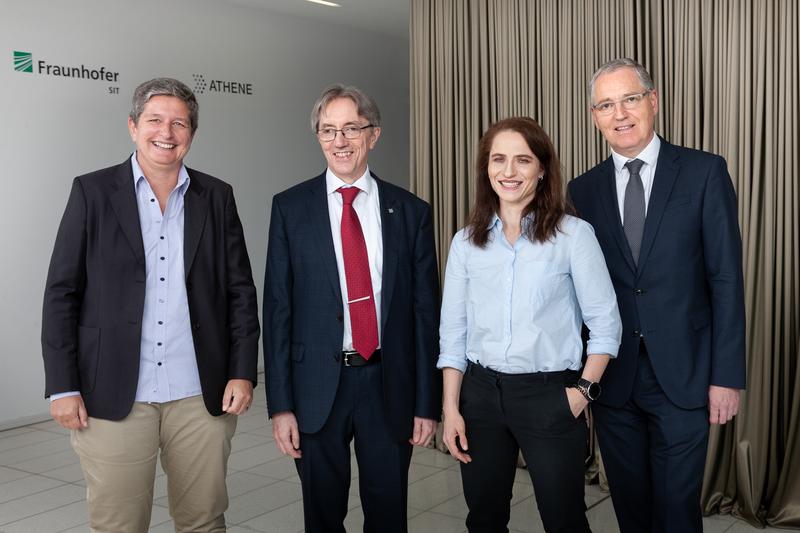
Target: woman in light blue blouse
{"type": "Point", "coordinates": [522, 277]}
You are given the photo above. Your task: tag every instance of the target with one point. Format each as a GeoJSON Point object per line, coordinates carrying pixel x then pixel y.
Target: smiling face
{"type": "Point", "coordinates": [347, 158]}
{"type": "Point", "coordinates": [628, 131]}
{"type": "Point", "coordinates": [513, 169]}
{"type": "Point", "coordinates": [163, 135]}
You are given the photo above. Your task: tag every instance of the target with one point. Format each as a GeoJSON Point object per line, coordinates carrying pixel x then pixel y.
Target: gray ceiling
{"type": "Point", "coordinates": [381, 16]}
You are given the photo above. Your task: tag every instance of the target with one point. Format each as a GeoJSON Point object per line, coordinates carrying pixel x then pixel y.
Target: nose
{"type": "Point", "coordinates": [166, 129]}
{"type": "Point", "coordinates": [509, 169]}
{"type": "Point", "coordinates": [339, 139]}
{"type": "Point", "coordinates": [620, 113]}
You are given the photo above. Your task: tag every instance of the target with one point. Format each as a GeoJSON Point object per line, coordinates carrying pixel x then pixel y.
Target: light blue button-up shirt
{"type": "Point", "coordinates": [167, 360]}
{"type": "Point", "coordinates": [167, 364]}
{"type": "Point", "coordinates": [519, 309]}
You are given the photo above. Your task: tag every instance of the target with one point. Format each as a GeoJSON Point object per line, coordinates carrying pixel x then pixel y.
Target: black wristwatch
{"type": "Point", "coordinates": [591, 390]}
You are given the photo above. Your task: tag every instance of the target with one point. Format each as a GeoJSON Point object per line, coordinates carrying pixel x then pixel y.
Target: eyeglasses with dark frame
{"type": "Point", "coordinates": [349, 132]}
{"type": "Point", "coordinates": [628, 102]}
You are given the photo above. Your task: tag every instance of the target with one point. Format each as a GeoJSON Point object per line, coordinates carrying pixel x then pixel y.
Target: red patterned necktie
{"type": "Point", "coordinates": [363, 321]}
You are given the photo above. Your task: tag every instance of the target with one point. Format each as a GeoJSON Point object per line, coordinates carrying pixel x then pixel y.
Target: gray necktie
{"type": "Point", "coordinates": [633, 208]}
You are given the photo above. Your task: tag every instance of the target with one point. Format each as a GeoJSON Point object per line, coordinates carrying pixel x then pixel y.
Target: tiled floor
{"type": "Point", "coordinates": [42, 489]}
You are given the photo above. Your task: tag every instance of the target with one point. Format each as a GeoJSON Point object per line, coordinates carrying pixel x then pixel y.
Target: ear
{"type": "Point", "coordinates": [654, 101]}
{"type": "Point", "coordinates": [376, 132]}
{"type": "Point", "coordinates": [132, 129]}
{"type": "Point", "coordinates": [594, 118]}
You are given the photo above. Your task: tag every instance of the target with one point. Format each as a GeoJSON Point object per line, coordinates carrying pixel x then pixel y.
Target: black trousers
{"type": "Point", "coordinates": [357, 415]}
{"type": "Point", "coordinates": [654, 453]}
{"type": "Point", "coordinates": [504, 413]}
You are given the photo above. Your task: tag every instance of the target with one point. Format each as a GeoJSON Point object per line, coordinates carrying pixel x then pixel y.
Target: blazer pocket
{"type": "Point", "coordinates": [679, 201]}
{"type": "Point", "coordinates": [88, 355]}
{"type": "Point", "coordinates": [297, 352]}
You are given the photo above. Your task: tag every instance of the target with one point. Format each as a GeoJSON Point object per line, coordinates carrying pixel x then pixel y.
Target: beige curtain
{"type": "Point", "coordinates": [728, 75]}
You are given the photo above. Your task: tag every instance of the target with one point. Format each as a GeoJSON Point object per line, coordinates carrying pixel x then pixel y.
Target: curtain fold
{"type": "Point", "coordinates": [728, 76]}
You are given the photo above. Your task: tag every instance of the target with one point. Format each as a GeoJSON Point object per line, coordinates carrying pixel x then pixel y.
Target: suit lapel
{"type": "Point", "coordinates": [123, 202]}
{"type": "Point", "coordinates": [390, 215]}
{"type": "Point", "coordinates": [195, 209]}
{"type": "Point", "coordinates": [667, 170]}
{"type": "Point", "coordinates": [320, 221]}
{"type": "Point", "coordinates": [610, 202]}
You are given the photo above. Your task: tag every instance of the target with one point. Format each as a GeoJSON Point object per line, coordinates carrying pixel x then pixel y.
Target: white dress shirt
{"type": "Point", "coordinates": [648, 171]}
{"type": "Point", "coordinates": [368, 209]}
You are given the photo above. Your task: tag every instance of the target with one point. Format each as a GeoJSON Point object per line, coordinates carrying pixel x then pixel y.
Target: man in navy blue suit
{"type": "Point", "coordinates": [351, 316]}
{"type": "Point", "coordinates": [666, 219]}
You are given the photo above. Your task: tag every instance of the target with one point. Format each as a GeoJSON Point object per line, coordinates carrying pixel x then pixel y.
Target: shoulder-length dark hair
{"type": "Point", "coordinates": [547, 206]}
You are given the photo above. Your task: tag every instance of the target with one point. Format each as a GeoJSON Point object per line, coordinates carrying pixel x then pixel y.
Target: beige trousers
{"type": "Point", "coordinates": [118, 459]}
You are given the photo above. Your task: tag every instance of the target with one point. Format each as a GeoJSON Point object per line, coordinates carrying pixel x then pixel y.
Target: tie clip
{"type": "Point", "coordinates": [358, 300]}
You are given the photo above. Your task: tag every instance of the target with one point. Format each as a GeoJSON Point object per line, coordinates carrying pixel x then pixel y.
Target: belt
{"type": "Point", "coordinates": [560, 376]}
{"type": "Point", "coordinates": [353, 358]}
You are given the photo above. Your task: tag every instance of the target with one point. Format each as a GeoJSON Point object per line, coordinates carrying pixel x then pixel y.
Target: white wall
{"type": "Point", "coordinates": [54, 128]}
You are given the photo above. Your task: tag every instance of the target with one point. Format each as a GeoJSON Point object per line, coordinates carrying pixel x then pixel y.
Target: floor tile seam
{"type": "Point", "coordinates": [34, 458]}
{"type": "Point", "coordinates": [62, 484]}
{"type": "Point", "coordinates": [459, 496]}
{"type": "Point", "coordinates": [248, 467]}
{"type": "Point", "coordinates": [441, 514]}
{"type": "Point", "coordinates": [20, 429]}
{"type": "Point", "coordinates": [248, 528]}
{"type": "Point", "coordinates": [262, 514]}
{"type": "Point", "coordinates": [41, 512]}
{"type": "Point", "coordinates": [248, 471]}
{"type": "Point", "coordinates": [237, 450]}
{"type": "Point", "coordinates": [71, 527]}
{"type": "Point", "coordinates": [416, 510]}
{"type": "Point", "coordinates": [440, 470]}
{"type": "Point", "coordinates": [274, 481]}
{"type": "Point", "coordinates": [598, 502]}
{"type": "Point", "coordinates": [16, 469]}
{"type": "Point", "coordinates": [44, 474]}
{"type": "Point", "coordinates": [28, 444]}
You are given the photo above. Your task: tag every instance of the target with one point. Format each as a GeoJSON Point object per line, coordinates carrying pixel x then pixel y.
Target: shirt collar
{"type": "Point", "coordinates": [527, 220]}
{"type": "Point", "coordinates": [649, 155]}
{"type": "Point", "coordinates": [138, 175]}
{"type": "Point", "coordinates": [366, 182]}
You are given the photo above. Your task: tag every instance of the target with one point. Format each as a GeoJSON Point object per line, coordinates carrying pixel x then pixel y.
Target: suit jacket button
{"type": "Point", "coordinates": [337, 357]}
{"type": "Point", "coordinates": [339, 318]}
{"type": "Point", "coordinates": [636, 333]}
{"type": "Point", "coordinates": [638, 291]}
{"type": "Point", "coordinates": [197, 325]}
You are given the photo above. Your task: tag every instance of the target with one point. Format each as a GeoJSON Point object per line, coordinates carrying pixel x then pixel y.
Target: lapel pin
{"type": "Point", "coordinates": [391, 210]}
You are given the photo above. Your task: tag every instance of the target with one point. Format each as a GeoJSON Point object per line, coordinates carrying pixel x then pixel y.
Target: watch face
{"type": "Point", "coordinates": [594, 391]}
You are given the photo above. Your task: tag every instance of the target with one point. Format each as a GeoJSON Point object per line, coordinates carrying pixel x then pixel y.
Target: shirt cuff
{"type": "Point", "coordinates": [60, 395]}
{"type": "Point", "coordinates": [597, 346]}
{"type": "Point", "coordinates": [459, 362]}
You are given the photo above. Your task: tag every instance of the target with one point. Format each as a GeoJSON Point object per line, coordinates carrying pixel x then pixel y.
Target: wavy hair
{"type": "Point", "coordinates": [548, 205]}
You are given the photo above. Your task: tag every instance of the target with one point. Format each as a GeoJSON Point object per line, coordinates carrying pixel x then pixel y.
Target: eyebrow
{"type": "Point", "coordinates": [492, 154]}
{"type": "Point", "coordinates": [623, 96]}
{"type": "Point", "coordinates": [161, 115]}
{"type": "Point", "coordinates": [329, 125]}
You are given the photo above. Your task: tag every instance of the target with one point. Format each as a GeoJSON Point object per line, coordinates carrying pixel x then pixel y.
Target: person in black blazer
{"type": "Point", "coordinates": [666, 219]}
{"type": "Point", "coordinates": [150, 324]}
{"type": "Point", "coordinates": [327, 385]}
